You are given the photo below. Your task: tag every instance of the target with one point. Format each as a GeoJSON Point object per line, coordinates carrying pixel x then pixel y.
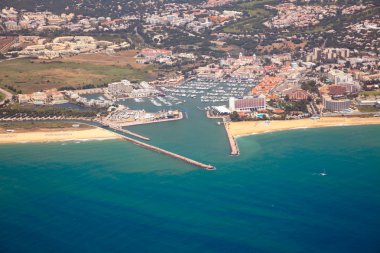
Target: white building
{"type": "Point", "coordinates": [335, 105]}
{"type": "Point", "coordinates": [121, 87]}
{"type": "Point", "coordinates": [337, 77]}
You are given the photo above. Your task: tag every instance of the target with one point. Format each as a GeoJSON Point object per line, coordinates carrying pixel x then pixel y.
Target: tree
{"type": "Point", "coordinates": [310, 85]}
{"type": "Point", "coordinates": [267, 61]}
{"type": "Point", "coordinates": [234, 116]}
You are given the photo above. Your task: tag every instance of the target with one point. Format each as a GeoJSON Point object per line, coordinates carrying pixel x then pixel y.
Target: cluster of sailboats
{"type": "Point", "coordinates": [164, 101]}
{"type": "Point", "coordinates": [167, 101]}
{"type": "Point", "coordinates": [155, 102]}
{"type": "Point", "coordinates": [207, 90]}
{"type": "Point", "coordinates": [210, 91]}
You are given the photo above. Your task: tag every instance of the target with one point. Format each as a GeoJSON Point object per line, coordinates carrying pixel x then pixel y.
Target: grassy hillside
{"type": "Point", "coordinates": [29, 76]}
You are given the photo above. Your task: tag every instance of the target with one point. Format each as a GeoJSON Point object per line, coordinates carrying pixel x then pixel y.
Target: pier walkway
{"type": "Point", "coordinates": [119, 128]}
{"type": "Point", "coordinates": [121, 132]}
{"type": "Point", "coordinates": [168, 153]}
{"type": "Point", "coordinates": [130, 133]}
{"type": "Point", "coordinates": [233, 144]}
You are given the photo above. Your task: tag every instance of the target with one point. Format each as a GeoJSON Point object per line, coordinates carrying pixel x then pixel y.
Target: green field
{"type": "Point", "coordinates": [2, 96]}
{"type": "Point", "coordinates": [29, 76]}
{"type": "Point", "coordinates": [370, 93]}
{"type": "Point", "coordinates": [368, 109]}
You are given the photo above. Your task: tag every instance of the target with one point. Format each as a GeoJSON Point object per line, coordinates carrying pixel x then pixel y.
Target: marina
{"type": "Point", "coordinates": [209, 91]}
{"type": "Point", "coordinates": [198, 94]}
{"type": "Point", "coordinates": [212, 126]}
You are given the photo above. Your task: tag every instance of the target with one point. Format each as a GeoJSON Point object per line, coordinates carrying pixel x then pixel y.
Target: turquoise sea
{"type": "Point", "coordinates": [112, 196]}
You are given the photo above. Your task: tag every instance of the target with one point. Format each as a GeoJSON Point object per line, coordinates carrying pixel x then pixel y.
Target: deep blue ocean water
{"type": "Point", "coordinates": [112, 196]}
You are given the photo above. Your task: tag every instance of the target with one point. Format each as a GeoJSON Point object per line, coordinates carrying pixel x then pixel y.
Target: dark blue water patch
{"type": "Point", "coordinates": [111, 196]}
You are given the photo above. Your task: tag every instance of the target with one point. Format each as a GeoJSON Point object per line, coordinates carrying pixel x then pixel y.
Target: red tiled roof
{"type": "Point", "coordinates": [336, 90]}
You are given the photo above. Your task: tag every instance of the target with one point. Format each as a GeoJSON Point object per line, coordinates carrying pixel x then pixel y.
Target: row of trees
{"type": "Point", "coordinates": [310, 86]}
{"type": "Point", "coordinates": [45, 112]}
{"type": "Point", "coordinates": [13, 89]}
{"type": "Point", "coordinates": [84, 87]}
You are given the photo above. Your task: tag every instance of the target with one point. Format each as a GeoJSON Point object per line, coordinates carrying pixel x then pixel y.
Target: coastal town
{"type": "Point", "coordinates": [287, 76]}
{"type": "Point", "coordinates": [329, 81]}
{"type": "Point", "coordinates": [213, 126]}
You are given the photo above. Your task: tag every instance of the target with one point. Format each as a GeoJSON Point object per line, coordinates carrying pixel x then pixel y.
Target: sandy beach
{"type": "Point", "coordinates": [238, 129]}
{"type": "Point", "coordinates": [50, 135]}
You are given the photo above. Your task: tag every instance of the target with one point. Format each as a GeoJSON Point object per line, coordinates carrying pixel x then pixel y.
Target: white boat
{"type": "Point", "coordinates": [323, 173]}
{"type": "Point", "coordinates": [155, 102]}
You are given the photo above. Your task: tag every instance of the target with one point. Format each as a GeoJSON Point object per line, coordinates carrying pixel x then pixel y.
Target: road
{"type": "Point", "coordinates": [7, 94]}
{"type": "Point", "coordinates": [140, 37]}
{"type": "Point", "coordinates": [15, 58]}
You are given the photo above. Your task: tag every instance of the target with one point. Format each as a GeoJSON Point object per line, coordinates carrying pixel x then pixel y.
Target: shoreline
{"type": "Point", "coordinates": [234, 148]}
{"type": "Point", "coordinates": [43, 135]}
{"type": "Point", "coordinates": [53, 135]}
{"type": "Point", "coordinates": [90, 133]}
{"type": "Point", "coordinates": [246, 128]}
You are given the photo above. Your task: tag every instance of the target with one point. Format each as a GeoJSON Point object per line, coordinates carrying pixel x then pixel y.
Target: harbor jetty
{"type": "Point", "coordinates": [130, 133]}
{"type": "Point", "coordinates": [168, 153]}
{"type": "Point", "coordinates": [231, 139]}
{"type": "Point", "coordinates": [210, 116]}
{"type": "Point", "coordinates": [121, 132]}
{"type": "Point", "coordinates": [233, 144]}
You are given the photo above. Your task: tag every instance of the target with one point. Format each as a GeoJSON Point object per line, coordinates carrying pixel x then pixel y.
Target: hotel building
{"type": "Point", "coordinates": [335, 105]}
{"type": "Point", "coordinates": [247, 104]}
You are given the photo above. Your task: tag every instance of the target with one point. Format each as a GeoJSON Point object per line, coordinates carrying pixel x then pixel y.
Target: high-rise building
{"type": "Point", "coordinates": [247, 103]}
{"type": "Point", "coordinates": [335, 105]}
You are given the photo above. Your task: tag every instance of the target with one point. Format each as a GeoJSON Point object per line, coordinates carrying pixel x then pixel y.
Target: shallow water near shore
{"type": "Point", "coordinates": [112, 196]}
